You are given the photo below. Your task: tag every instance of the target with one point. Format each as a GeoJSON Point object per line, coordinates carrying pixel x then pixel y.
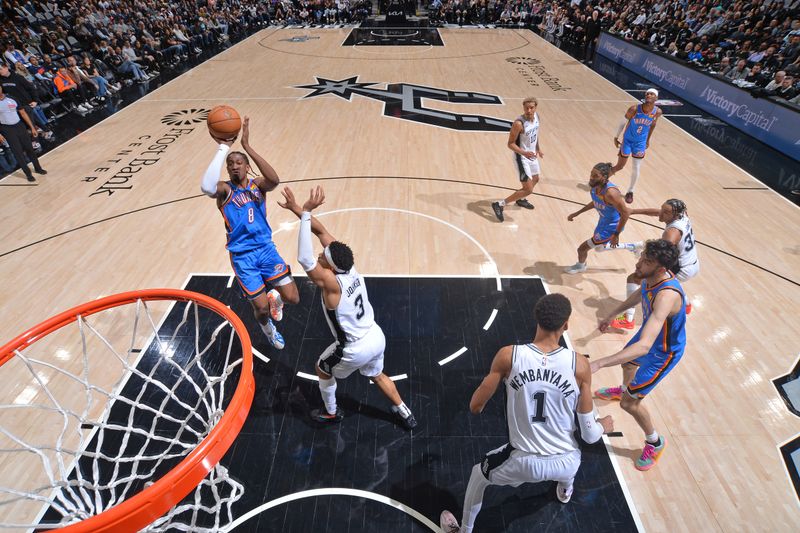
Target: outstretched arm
{"type": "Point", "coordinates": [211, 185]}
{"type": "Point", "coordinates": [317, 228]}
{"type": "Point", "coordinates": [583, 209]}
{"type": "Point", "coordinates": [269, 178]}
{"type": "Point", "coordinates": [501, 368]}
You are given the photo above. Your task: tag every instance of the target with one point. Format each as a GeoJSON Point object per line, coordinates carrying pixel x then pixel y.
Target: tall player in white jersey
{"type": "Point", "coordinates": [523, 140]}
{"type": "Point", "coordinates": [678, 232]}
{"type": "Point", "coordinates": [359, 342]}
{"type": "Point", "coordinates": [545, 386]}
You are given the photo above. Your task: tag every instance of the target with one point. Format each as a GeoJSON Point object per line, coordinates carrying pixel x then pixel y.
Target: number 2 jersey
{"type": "Point", "coordinates": [541, 398]}
{"type": "Point", "coordinates": [245, 218]}
{"type": "Point", "coordinates": [353, 317]}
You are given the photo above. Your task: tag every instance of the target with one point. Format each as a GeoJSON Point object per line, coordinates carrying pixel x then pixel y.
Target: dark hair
{"type": "Point", "coordinates": [603, 168]}
{"type": "Point", "coordinates": [552, 311]}
{"type": "Point", "coordinates": [244, 156]}
{"type": "Point", "coordinates": [662, 252]}
{"type": "Point", "coordinates": [678, 207]}
{"type": "Point", "coordinates": [342, 255]}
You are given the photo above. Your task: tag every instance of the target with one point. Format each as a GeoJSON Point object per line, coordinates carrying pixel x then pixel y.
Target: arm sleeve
{"type": "Point", "coordinates": [305, 251]}
{"type": "Point", "coordinates": [591, 431]}
{"type": "Point", "coordinates": [214, 170]}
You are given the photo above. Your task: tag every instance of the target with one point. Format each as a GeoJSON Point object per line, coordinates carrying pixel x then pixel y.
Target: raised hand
{"type": "Point", "coordinates": [220, 140]}
{"type": "Point", "coordinates": [315, 199]}
{"type": "Point", "coordinates": [289, 201]}
{"type": "Point", "coordinates": [246, 131]}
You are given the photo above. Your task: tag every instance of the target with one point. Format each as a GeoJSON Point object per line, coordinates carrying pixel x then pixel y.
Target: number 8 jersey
{"type": "Point", "coordinates": [541, 396]}
{"type": "Point", "coordinates": [245, 218]}
{"type": "Point", "coordinates": [353, 317]}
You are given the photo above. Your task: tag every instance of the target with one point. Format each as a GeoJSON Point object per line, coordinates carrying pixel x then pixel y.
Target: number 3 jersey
{"type": "Point", "coordinates": [541, 398]}
{"type": "Point", "coordinates": [245, 218]}
{"type": "Point", "coordinates": [353, 317]}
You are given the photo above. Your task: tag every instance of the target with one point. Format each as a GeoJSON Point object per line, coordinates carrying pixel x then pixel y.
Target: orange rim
{"type": "Point", "coordinates": [153, 502]}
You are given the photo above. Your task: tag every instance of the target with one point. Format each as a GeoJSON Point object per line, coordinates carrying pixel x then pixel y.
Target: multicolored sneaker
{"type": "Point", "coordinates": [609, 393]}
{"type": "Point", "coordinates": [273, 335]}
{"type": "Point", "coordinates": [622, 323]}
{"type": "Point", "coordinates": [275, 305]}
{"type": "Point", "coordinates": [577, 268]}
{"type": "Point", "coordinates": [448, 522]}
{"type": "Point", "coordinates": [650, 454]}
{"type": "Point", "coordinates": [564, 492]}
{"type": "Point", "coordinates": [324, 417]}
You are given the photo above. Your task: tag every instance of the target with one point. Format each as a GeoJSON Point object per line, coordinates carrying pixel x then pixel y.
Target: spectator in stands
{"type": "Point", "coordinates": [756, 76]}
{"type": "Point", "coordinates": [13, 55]}
{"type": "Point", "coordinates": [786, 90]}
{"type": "Point", "coordinates": [68, 90]}
{"type": "Point", "coordinates": [776, 82]}
{"type": "Point", "coordinates": [739, 72]}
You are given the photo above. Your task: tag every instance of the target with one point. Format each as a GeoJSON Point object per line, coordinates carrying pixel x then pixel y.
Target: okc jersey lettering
{"type": "Point", "coordinates": [609, 216]}
{"type": "Point", "coordinates": [246, 218]}
{"type": "Point", "coordinates": [639, 126]}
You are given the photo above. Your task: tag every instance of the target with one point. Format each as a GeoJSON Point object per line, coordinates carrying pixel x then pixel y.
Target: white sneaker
{"type": "Point", "coordinates": [273, 335]}
{"type": "Point", "coordinates": [82, 108]}
{"type": "Point", "coordinates": [275, 305]}
{"type": "Point", "coordinates": [448, 522]}
{"type": "Point", "coordinates": [577, 268]}
{"type": "Point", "coordinates": [564, 492]}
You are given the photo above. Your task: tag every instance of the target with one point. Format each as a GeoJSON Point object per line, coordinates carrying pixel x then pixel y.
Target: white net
{"type": "Point", "coordinates": [90, 419]}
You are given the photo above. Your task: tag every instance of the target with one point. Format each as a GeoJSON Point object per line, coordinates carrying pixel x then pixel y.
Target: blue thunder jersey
{"type": "Point", "coordinates": [609, 216]}
{"type": "Point", "coordinates": [671, 341]}
{"type": "Point", "coordinates": [245, 218]}
{"type": "Point", "coordinates": [639, 126]}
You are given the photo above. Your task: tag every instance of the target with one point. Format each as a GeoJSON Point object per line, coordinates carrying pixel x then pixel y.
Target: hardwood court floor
{"type": "Point", "coordinates": [120, 210]}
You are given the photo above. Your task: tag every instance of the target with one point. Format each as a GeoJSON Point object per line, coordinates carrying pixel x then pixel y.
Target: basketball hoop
{"type": "Point", "coordinates": [124, 450]}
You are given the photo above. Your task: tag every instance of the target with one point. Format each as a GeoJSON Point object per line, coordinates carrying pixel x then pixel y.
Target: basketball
{"type": "Point", "coordinates": [224, 122]}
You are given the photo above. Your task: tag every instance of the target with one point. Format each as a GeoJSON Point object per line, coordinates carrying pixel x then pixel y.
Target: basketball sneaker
{"type": "Point", "coordinates": [688, 307]}
{"type": "Point", "coordinates": [524, 203]}
{"type": "Point", "coordinates": [622, 323]}
{"type": "Point", "coordinates": [629, 197]}
{"type": "Point", "coordinates": [448, 522]}
{"type": "Point", "coordinates": [406, 416]}
{"type": "Point", "coordinates": [275, 305]}
{"type": "Point", "coordinates": [564, 492]}
{"type": "Point", "coordinates": [577, 268]}
{"type": "Point", "coordinates": [324, 417]}
{"type": "Point", "coordinates": [273, 335]}
{"type": "Point", "coordinates": [650, 454]}
{"type": "Point", "coordinates": [498, 211]}
{"type": "Point", "coordinates": [609, 393]}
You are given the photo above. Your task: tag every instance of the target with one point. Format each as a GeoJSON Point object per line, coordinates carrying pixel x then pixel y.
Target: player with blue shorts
{"type": "Point", "coordinates": [255, 259]}
{"type": "Point", "coordinates": [639, 124]}
{"type": "Point", "coordinates": [613, 213]}
{"type": "Point", "coordinates": [656, 348]}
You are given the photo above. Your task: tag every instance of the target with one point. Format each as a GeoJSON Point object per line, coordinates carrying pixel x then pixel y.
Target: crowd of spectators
{"type": "Point", "coordinates": [755, 44]}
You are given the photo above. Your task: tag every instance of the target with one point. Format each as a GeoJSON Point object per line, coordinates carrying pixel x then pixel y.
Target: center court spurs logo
{"type": "Point", "coordinates": [404, 101]}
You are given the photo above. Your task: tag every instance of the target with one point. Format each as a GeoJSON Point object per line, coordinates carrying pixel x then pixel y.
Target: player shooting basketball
{"type": "Point", "coordinates": [254, 257]}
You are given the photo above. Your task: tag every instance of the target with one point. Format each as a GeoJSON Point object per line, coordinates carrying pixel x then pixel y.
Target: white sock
{"type": "Point", "coordinates": [653, 438]}
{"type": "Point", "coordinates": [631, 288]}
{"type": "Point", "coordinates": [502, 203]}
{"type": "Point", "coordinates": [327, 387]}
{"type": "Point", "coordinates": [473, 499]}
{"type": "Point", "coordinates": [402, 410]}
{"type": "Point", "coordinates": [635, 173]}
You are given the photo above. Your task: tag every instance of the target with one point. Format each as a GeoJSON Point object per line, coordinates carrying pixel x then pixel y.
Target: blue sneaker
{"type": "Point", "coordinates": [273, 335]}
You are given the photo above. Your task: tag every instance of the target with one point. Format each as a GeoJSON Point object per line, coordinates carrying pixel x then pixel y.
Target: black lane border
{"type": "Point", "coordinates": [410, 178]}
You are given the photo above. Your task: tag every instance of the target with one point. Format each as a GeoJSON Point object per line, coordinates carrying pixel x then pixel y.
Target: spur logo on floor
{"type": "Point", "coordinates": [299, 39]}
{"type": "Point", "coordinates": [404, 101]}
{"type": "Point", "coordinates": [118, 171]}
{"type": "Point", "coordinates": [534, 73]}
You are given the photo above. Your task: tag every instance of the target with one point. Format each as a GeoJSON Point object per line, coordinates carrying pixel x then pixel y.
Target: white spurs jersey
{"type": "Point", "coordinates": [530, 133]}
{"type": "Point", "coordinates": [686, 246]}
{"type": "Point", "coordinates": [353, 317]}
{"type": "Point", "coordinates": [542, 395]}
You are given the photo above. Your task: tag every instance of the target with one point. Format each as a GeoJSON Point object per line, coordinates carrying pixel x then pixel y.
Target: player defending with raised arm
{"type": "Point", "coordinates": [639, 125]}
{"type": "Point", "coordinates": [655, 349]}
{"type": "Point", "coordinates": [523, 140]}
{"type": "Point", "coordinates": [359, 342]}
{"type": "Point", "coordinates": [678, 232]}
{"type": "Point", "coordinates": [545, 385]}
{"type": "Point", "coordinates": [613, 213]}
{"type": "Point", "coordinates": [254, 257]}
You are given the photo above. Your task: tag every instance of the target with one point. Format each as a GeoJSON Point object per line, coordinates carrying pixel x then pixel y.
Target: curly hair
{"type": "Point", "coordinates": [342, 255]}
{"type": "Point", "coordinates": [603, 169]}
{"type": "Point", "coordinates": [552, 311]}
{"type": "Point", "coordinates": [678, 207]}
{"type": "Point", "coordinates": [662, 252]}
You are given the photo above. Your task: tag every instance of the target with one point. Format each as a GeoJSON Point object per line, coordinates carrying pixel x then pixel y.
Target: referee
{"type": "Point", "coordinates": [13, 130]}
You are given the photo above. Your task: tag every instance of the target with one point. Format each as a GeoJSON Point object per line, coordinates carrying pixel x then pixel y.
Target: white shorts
{"type": "Point", "coordinates": [527, 168]}
{"type": "Point", "coordinates": [688, 272]}
{"type": "Point", "coordinates": [364, 355]}
{"type": "Point", "coordinates": [517, 467]}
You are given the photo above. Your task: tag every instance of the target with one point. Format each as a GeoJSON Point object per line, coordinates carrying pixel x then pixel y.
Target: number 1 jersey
{"type": "Point", "coordinates": [541, 396]}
